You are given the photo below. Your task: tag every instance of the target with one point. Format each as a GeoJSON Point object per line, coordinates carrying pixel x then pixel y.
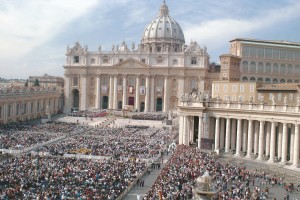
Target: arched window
{"type": "Point", "coordinates": [296, 81]}
{"type": "Point", "coordinates": [282, 69]}
{"type": "Point", "coordinates": [252, 79]}
{"type": "Point", "coordinates": [282, 81]}
{"type": "Point", "coordinates": [143, 82]}
{"type": "Point", "coordinates": [260, 67]}
{"type": "Point", "coordinates": [260, 80]}
{"type": "Point", "coordinates": [268, 68]}
{"type": "Point", "coordinates": [275, 68]}
{"type": "Point", "coordinates": [193, 84]}
{"type": "Point", "coordinates": [245, 79]}
{"type": "Point", "coordinates": [245, 66]}
{"type": "Point", "coordinates": [275, 80]}
{"type": "Point", "coordinates": [290, 70]}
{"type": "Point", "coordinates": [75, 81]}
{"type": "Point", "coordinates": [253, 67]}
{"type": "Point", "coordinates": [289, 81]}
{"type": "Point", "coordinates": [268, 80]}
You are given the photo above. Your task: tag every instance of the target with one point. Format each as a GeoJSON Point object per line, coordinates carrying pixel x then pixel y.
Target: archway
{"type": "Point", "coordinates": [142, 106]}
{"type": "Point", "coordinates": [159, 104]}
{"type": "Point", "coordinates": [131, 101]}
{"type": "Point", "coordinates": [75, 98]}
{"type": "Point", "coordinates": [120, 105]}
{"type": "Point", "coordinates": [196, 129]}
{"type": "Point", "coordinates": [104, 102]}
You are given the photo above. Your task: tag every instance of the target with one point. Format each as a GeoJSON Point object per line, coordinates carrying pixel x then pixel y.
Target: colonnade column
{"type": "Point", "coordinates": [222, 133]}
{"type": "Point", "coordinates": [292, 143]}
{"type": "Point", "coordinates": [272, 144]}
{"type": "Point", "coordinates": [296, 147]}
{"type": "Point", "coordinates": [233, 134]}
{"type": "Point", "coordinates": [200, 131]}
{"type": "Point", "coordinates": [166, 94]}
{"type": "Point", "coordinates": [137, 93]}
{"type": "Point", "coordinates": [245, 129]}
{"type": "Point", "coordinates": [227, 139]}
{"type": "Point", "coordinates": [239, 137]}
{"type": "Point", "coordinates": [83, 91]}
{"type": "Point", "coordinates": [280, 128]}
{"type": "Point", "coordinates": [268, 136]}
{"type": "Point", "coordinates": [284, 143]}
{"type": "Point", "coordinates": [111, 90]}
{"type": "Point", "coordinates": [217, 134]}
{"type": "Point", "coordinates": [115, 103]}
{"type": "Point", "coordinates": [256, 131]}
{"type": "Point", "coordinates": [152, 94]}
{"type": "Point", "coordinates": [124, 97]}
{"type": "Point", "coordinates": [261, 141]}
{"type": "Point", "coordinates": [98, 95]}
{"type": "Point", "coordinates": [250, 138]}
{"type": "Point", "coordinates": [147, 94]}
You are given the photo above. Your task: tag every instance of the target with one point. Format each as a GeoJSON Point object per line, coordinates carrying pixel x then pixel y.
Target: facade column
{"type": "Point", "coordinates": [250, 138]}
{"type": "Point", "coordinates": [217, 134]}
{"type": "Point", "coordinates": [227, 140]}
{"type": "Point", "coordinates": [200, 131]}
{"type": "Point", "coordinates": [239, 138]}
{"type": "Point", "coordinates": [83, 97]}
{"type": "Point", "coordinates": [166, 95]}
{"type": "Point", "coordinates": [152, 97]}
{"type": "Point", "coordinates": [261, 141]}
{"type": "Point", "coordinates": [256, 133]}
{"type": "Point", "coordinates": [292, 143]}
{"type": "Point", "coordinates": [98, 93]}
{"type": "Point", "coordinates": [124, 90]}
{"type": "Point", "coordinates": [272, 143]}
{"type": "Point", "coordinates": [115, 104]}
{"type": "Point", "coordinates": [284, 143]}
{"type": "Point", "coordinates": [268, 136]}
{"type": "Point", "coordinates": [222, 133]}
{"type": "Point", "coordinates": [137, 93]}
{"type": "Point", "coordinates": [111, 92]}
{"type": "Point", "coordinates": [233, 134]}
{"type": "Point", "coordinates": [245, 129]}
{"type": "Point", "coordinates": [296, 147]}
{"type": "Point", "coordinates": [67, 92]}
{"type": "Point", "coordinates": [280, 128]}
{"type": "Point", "coordinates": [147, 106]}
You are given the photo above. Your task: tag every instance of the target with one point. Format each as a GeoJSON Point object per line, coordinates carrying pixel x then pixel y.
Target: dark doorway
{"type": "Point", "coordinates": [75, 98]}
{"type": "Point", "coordinates": [142, 107]}
{"type": "Point", "coordinates": [159, 104]}
{"type": "Point", "coordinates": [120, 105]}
{"type": "Point", "coordinates": [104, 102]}
{"type": "Point", "coordinates": [196, 129]}
{"type": "Point", "coordinates": [131, 101]}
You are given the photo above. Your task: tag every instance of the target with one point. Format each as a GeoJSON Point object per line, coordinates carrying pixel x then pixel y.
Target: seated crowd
{"type": "Point", "coordinates": [23, 135]}
{"type": "Point", "coordinates": [150, 116]}
{"type": "Point", "coordinates": [31, 177]}
{"type": "Point", "coordinates": [230, 181]}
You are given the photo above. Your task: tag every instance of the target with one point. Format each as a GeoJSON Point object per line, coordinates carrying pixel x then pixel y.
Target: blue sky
{"type": "Point", "coordinates": [34, 34]}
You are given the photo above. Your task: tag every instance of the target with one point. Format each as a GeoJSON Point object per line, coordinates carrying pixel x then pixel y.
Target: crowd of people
{"type": "Point", "coordinates": [22, 135]}
{"type": "Point", "coordinates": [150, 116]}
{"type": "Point", "coordinates": [118, 143]}
{"type": "Point", "coordinates": [34, 177]}
{"type": "Point", "coordinates": [178, 178]}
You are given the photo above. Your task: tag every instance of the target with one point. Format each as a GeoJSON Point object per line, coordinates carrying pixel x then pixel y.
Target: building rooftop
{"type": "Point", "coordinates": [279, 87]}
{"type": "Point", "coordinates": [276, 42]}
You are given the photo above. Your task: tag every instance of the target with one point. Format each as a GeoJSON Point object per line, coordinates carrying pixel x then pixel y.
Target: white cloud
{"type": "Point", "coordinates": [215, 32]}
{"type": "Point", "coordinates": [28, 24]}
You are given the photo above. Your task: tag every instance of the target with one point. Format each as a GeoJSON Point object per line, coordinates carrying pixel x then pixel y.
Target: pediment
{"type": "Point", "coordinates": [131, 63]}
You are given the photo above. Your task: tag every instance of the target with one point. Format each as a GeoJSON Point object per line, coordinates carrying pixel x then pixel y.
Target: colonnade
{"type": "Point", "coordinates": [272, 141]}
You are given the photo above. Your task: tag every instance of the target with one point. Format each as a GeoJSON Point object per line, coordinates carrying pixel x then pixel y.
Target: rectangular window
{"type": "Point", "coordinates": [253, 52]}
{"type": "Point", "coordinates": [105, 60]}
{"type": "Point", "coordinates": [297, 55]}
{"type": "Point", "coordinates": [290, 55]}
{"type": "Point", "coordinates": [276, 54]}
{"type": "Point", "coordinates": [194, 61]}
{"type": "Point", "coordinates": [245, 51]}
{"type": "Point", "coordinates": [120, 60]}
{"type": "Point", "coordinates": [268, 53]}
{"type": "Point", "coordinates": [260, 52]}
{"type": "Point", "coordinates": [241, 88]}
{"type": "Point", "coordinates": [143, 60]}
{"type": "Point", "coordinates": [234, 88]}
{"type": "Point", "coordinates": [217, 88]}
{"type": "Point", "coordinates": [225, 88]}
{"type": "Point", "coordinates": [270, 96]}
{"type": "Point", "coordinates": [251, 88]}
{"type": "Point", "coordinates": [282, 54]}
{"type": "Point", "coordinates": [291, 97]}
{"type": "Point", "coordinates": [93, 61]}
{"type": "Point", "coordinates": [159, 61]}
{"type": "Point", "coordinates": [76, 59]}
{"type": "Point", "coordinates": [175, 62]}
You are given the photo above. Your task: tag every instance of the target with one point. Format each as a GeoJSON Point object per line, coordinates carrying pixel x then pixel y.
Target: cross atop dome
{"type": "Point", "coordinates": [164, 10]}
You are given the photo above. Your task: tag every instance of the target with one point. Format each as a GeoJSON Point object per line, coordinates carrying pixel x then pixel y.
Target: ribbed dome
{"type": "Point", "coordinates": [163, 29]}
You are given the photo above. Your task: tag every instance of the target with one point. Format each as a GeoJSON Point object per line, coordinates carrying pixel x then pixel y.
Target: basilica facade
{"type": "Point", "coordinates": [150, 76]}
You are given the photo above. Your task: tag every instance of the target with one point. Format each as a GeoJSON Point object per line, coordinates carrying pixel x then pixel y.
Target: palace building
{"type": "Point", "coordinates": [150, 76]}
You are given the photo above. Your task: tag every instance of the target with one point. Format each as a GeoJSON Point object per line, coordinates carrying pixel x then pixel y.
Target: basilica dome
{"type": "Point", "coordinates": [163, 29]}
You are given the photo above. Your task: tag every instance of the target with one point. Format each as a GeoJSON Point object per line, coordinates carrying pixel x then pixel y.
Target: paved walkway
{"type": "Point", "coordinates": [149, 180]}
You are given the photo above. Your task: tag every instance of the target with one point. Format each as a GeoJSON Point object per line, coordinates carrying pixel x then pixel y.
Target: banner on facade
{"type": "Point", "coordinates": [130, 89]}
{"type": "Point", "coordinates": [142, 90]}
{"type": "Point", "coordinates": [104, 89]}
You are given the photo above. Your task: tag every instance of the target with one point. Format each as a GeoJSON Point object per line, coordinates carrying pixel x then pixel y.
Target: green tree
{"type": "Point", "coordinates": [36, 82]}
